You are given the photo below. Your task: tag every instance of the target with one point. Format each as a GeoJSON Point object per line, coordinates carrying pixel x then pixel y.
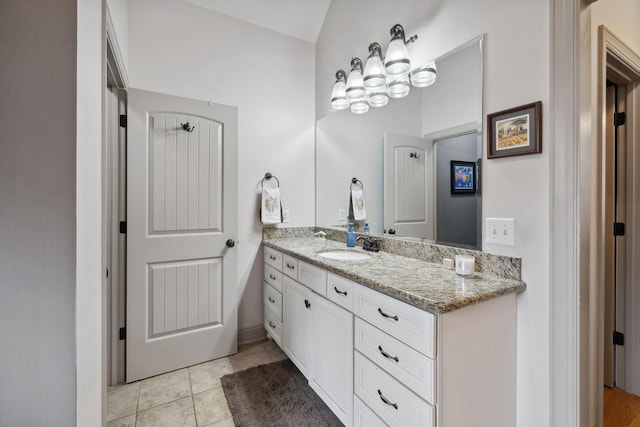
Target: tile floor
{"type": "Point", "coordinates": [189, 397]}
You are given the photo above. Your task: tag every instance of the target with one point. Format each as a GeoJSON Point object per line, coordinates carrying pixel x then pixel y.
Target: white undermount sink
{"type": "Point", "coordinates": [345, 255]}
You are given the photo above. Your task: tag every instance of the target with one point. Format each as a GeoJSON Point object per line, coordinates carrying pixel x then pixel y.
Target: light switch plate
{"type": "Point", "coordinates": [501, 231]}
{"type": "Point", "coordinates": [285, 215]}
{"type": "Point", "coordinates": [341, 215]}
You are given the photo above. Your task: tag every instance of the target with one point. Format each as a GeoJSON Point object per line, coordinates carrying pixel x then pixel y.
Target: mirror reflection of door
{"type": "Point", "coordinates": [457, 213]}
{"type": "Point", "coordinates": [409, 186]}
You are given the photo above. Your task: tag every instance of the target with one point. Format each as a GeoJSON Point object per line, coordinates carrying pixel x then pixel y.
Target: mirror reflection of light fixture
{"type": "Point", "coordinates": [339, 99]}
{"type": "Point", "coordinates": [424, 76]}
{"type": "Point", "coordinates": [399, 86]}
{"type": "Point", "coordinates": [382, 77]}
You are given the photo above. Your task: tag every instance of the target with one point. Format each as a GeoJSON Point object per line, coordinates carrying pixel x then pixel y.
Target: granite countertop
{"type": "Point", "coordinates": [423, 284]}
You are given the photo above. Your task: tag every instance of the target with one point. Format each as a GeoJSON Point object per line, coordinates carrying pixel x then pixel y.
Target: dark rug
{"type": "Point", "coordinates": [276, 394]}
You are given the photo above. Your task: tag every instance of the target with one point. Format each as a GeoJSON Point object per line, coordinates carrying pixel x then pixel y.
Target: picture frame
{"type": "Point", "coordinates": [463, 177]}
{"type": "Point", "coordinates": [515, 132]}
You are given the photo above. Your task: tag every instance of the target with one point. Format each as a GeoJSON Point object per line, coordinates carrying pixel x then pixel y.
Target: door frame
{"type": "Point", "coordinates": [116, 77]}
{"type": "Point", "coordinates": [619, 63]}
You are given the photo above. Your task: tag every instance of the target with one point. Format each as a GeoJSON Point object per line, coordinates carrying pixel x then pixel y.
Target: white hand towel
{"type": "Point", "coordinates": [270, 211]}
{"type": "Point", "coordinates": [358, 205]}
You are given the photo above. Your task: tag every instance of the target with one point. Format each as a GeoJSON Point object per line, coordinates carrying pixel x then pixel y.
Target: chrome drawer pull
{"type": "Point", "coordinates": [272, 277]}
{"type": "Point", "coordinates": [271, 300]}
{"type": "Point", "coordinates": [387, 315]}
{"type": "Point", "coordinates": [387, 355]}
{"type": "Point", "coordinates": [271, 324]}
{"type": "Point", "coordinates": [290, 266]}
{"type": "Point", "coordinates": [273, 258]}
{"type": "Point", "coordinates": [384, 399]}
{"type": "Point", "coordinates": [340, 292]}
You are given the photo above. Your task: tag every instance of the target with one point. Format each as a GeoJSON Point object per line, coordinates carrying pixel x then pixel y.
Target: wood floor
{"type": "Point", "coordinates": [621, 409]}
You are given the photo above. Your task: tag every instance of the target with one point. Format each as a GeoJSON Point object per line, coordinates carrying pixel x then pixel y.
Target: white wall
{"type": "Point", "coordinates": [37, 213]}
{"type": "Point", "coordinates": [89, 262]}
{"type": "Point", "coordinates": [516, 72]}
{"type": "Point", "coordinates": [185, 50]}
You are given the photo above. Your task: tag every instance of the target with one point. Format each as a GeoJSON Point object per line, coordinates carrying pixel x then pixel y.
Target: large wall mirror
{"type": "Point", "coordinates": [418, 158]}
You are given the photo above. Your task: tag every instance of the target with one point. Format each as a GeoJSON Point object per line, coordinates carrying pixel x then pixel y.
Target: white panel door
{"type": "Point", "coordinates": [409, 182]}
{"type": "Point", "coordinates": [181, 213]}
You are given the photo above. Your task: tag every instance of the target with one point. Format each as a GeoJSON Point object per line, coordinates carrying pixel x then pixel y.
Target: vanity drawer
{"type": "Point", "coordinates": [313, 277]}
{"type": "Point", "coordinates": [410, 367]}
{"type": "Point", "coordinates": [273, 277]}
{"type": "Point", "coordinates": [363, 416]}
{"type": "Point", "coordinates": [272, 301]}
{"type": "Point", "coordinates": [340, 290]}
{"type": "Point", "coordinates": [273, 327]}
{"type": "Point", "coordinates": [387, 397]}
{"type": "Point", "coordinates": [412, 326]}
{"type": "Point", "coordinates": [273, 257]}
{"type": "Point", "coordinates": [290, 266]}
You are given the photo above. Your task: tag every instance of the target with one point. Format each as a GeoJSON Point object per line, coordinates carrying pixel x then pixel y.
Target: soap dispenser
{"type": "Point", "coordinates": [351, 236]}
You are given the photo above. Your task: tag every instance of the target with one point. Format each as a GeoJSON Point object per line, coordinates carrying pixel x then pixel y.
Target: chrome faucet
{"type": "Point", "coordinates": [370, 243]}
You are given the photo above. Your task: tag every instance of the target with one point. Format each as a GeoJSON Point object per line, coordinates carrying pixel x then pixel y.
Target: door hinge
{"type": "Point", "coordinates": [618, 228]}
{"type": "Point", "coordinates": [618, 338]}
{"type": "Point", "coordinates": [123, 227]}
{"type": "Point", "coordinates": [107, 273]}
{"type": "Point", "coordinates": [619, 119]}
{"type": "Point", "coordinates": [123, 334]}
{"type": "Point", "coordinates": [123, 120]}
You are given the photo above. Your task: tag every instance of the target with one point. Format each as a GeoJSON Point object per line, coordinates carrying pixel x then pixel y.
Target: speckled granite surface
{"type": "Point", "coordinates": [496, 265]}
{"type": "Point", "coordinates": [426, 285]}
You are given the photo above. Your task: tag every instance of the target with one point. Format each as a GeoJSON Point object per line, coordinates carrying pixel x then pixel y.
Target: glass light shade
{"type": "Point", "coordinates": [355, 85]}
{"type": "Point", "coordinates": [424, 76]}
{"type": "Point", "coordinates": [399, 87]}
{"type": "Point", "coordinates": [378, 97]}
{"type": "Point", "coordinates": [374, 72]}
{"type": "Point", "coordinates": [396, 61]}
{"type": "Point", "coordinates": [339, 99]}
{"type": "Point", "coordinates": [360, 106]}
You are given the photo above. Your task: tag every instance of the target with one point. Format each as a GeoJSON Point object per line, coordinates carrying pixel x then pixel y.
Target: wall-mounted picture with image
{"type": "Point", "coordinates": [463, 177]}
{"type": "Point", "coordinates": [515, 132]}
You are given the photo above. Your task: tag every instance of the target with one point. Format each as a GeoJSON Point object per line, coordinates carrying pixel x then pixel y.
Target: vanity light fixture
{"type": "Point", "coordinates": [382, 77]}
{"type": "Point", "coordinates": [339, 99]}
{"type": "Point", "coordinates": [397, 61]}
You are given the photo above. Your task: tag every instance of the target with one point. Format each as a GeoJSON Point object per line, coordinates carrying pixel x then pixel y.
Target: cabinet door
{"type": "Point", "coordinates": [332, 360]}
{"type": "Point", "coordinates": [296, 328]}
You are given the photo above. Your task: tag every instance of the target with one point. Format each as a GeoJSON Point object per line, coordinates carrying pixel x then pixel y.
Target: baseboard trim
{"type": "Point", "coordinates": [255, 333]}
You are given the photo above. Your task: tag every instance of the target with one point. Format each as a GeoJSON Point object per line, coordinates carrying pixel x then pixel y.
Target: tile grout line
{"type": "Point", "coordinates": [193, 400]}
{"type": "Point", "coordinates": [138, 402]}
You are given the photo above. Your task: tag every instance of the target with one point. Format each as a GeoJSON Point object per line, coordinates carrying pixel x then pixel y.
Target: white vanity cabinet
{"type": "Point", "coordinates": [297, 314]}
{"type": "Point", "coordinates": [332, 361]}
{"type": "Point", "coordinates": [415, 368]}
{"type": "Point", "coordinates": [316, 333]}
{"type": "Point", "coordinates": [378, 361]}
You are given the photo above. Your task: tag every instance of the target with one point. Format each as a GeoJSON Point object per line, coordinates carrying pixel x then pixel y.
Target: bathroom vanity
{"type": "Point", "coordinates": [392, 340]}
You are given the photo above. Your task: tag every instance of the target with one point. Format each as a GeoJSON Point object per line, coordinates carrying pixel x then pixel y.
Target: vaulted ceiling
{"type": "Point", "coordinates": [301, 19]}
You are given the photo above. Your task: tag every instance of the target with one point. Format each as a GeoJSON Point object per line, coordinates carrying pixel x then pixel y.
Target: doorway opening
{"type": "Point", "coordinates": [617, 239]}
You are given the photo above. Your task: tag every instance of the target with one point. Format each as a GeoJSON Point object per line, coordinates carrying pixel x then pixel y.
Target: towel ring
{"type": "Point", "coordinates": [268, 177]}
{"type": "Point", "coordinates": [356, 181]}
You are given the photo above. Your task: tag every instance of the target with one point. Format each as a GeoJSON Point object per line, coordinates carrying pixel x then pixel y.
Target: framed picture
{"type": "Point", "coordinates": [463, 177]}
{"type": "Point", "coordinates": [515, 132]}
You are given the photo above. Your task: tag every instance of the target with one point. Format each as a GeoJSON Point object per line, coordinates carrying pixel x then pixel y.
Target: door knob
{"type": "Point", "coordinates": [231, 243]}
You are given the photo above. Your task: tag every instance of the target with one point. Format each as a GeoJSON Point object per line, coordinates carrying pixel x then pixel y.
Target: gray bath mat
{"type": "Point", "coordinates": [276, 394]}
